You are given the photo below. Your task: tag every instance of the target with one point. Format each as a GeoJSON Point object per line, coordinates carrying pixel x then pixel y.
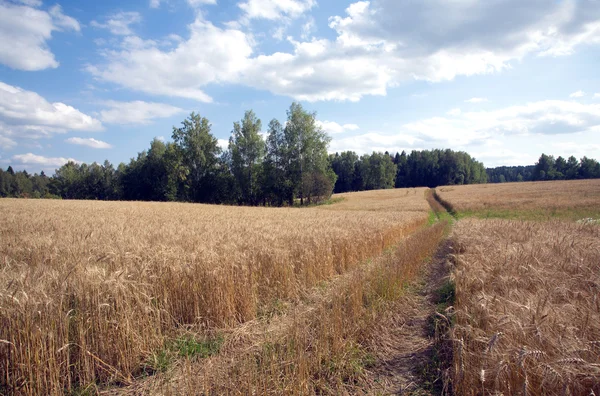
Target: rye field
{"type": "Point", "coordinates": [378, 293]}
{"type": "Point", "coordinates": [92, 290]}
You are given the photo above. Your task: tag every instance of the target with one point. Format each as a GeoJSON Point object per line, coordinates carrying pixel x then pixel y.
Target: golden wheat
{"type": "Point", "coordinates": [89, 290]}
{"type": "Point", "coordinates": [527, 308]}
{"type": "Point", "coordinates": [573, 198]}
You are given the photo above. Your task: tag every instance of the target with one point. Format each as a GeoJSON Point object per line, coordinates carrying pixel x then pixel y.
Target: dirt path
{"type": "Point", "coordinates": [406, 350]}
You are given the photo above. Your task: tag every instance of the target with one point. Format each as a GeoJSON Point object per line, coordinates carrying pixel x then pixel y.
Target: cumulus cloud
{"type": "Point", "coordinates": [25, 114]}
{"type": "Point", "coordinates": [27, 108]}
{"type": "Point", "coordinates": [136, 112]}
{"type": "Point", "coordinates": [25, 31]}
{"type": "Point", "coordinates": [89, 142]}
{"type": "Point", "coordinates": [40, 161]}
{"type": "Point", "coordinates": [275, 9]}
{"type": "Point", "coordinates": [578, 94]}
{"type": "Point", "coordinates": [476, 100]}
{"type": "Point", "coordinates": [376, 45]}
{"type": "Point", "coordinates": [550, 117]}
{"type": "Point", "coordinates": [332, 127]}
{"type": "Point", "coordinates": [479, 131]}
{"type": "Point", "coordinates": [374, 141]}
{"type": "Point", "coordinates": [210, 55]}
{"type": "Point", "coordinates": [119, 24]}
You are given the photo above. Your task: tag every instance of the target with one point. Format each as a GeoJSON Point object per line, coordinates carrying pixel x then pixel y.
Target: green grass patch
{"type": "Point", "coordinates": [187, 346]}
{"type": "Point", "coordinates": [330, 201]}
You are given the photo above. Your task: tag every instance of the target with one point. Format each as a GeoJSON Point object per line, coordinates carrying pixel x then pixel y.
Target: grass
{"type": "Point", "coordinates": [89, 290]}
{"type": "Point", "coordinates": [527, 308]}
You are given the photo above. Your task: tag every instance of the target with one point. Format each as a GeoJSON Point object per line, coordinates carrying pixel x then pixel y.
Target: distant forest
{"type": "Point", "coordinates": [547, 168]}
{"type": "Point", "coordinates": [290, 167]}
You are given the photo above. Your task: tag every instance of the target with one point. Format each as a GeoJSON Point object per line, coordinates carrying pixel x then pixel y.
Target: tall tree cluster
{"type": "Point", "coordinates": [547, 168]}
{"type": "Point", "coordinates": [290, 167]}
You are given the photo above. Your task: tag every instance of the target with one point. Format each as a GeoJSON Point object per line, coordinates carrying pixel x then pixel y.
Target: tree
{"type": "Point", "coordinates": [402, 171]}
{"type": "Point", "coordinates": [247, 150]}
{"type": "Point", "coordinates": [545, 168]}
{"type": "Point", "coordinates": [589, 168]}
{"type": "Point", "coordinates": [378, 171]}
{"type": "Point", "coordinates": [344, 166]}
{"type": "Point", "coordinates": [200, 151]}
{"type": "Point", "coordinates": [305, 152]}
{"type": "Point", "coordinates": [277, 187]}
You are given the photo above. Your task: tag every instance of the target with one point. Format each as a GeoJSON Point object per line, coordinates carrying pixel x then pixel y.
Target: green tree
{"type": "Point", "coordinates": [200, 154]}
{"type": "Point", "coordinates": [344, 166]}
{"type": "Point", "coordinates": [247, 150]}
{"type": "Point", "coordinates": [545, 168]}
{"type": "Point", "coordinates": [305, 153]}
{"type": "Point", "coordinates": [278, 187]}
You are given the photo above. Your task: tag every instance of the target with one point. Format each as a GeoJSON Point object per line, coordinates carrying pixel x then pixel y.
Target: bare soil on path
{"type": "Point", "coordinates": [407, 344]}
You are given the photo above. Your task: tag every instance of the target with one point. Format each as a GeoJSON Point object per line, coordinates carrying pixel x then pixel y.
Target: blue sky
{"type": "Point", "coordinates": [503, 80]}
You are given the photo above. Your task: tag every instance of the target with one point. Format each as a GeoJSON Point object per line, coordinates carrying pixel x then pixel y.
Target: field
{"type": "Point", "coordinates": [571, 199]}
{"type": "Point", "coordinates": [379, 292]}
{"type": "Point", "coordinates": [91, 290]}
{"type": "Point", "coordinates": [527, 308]}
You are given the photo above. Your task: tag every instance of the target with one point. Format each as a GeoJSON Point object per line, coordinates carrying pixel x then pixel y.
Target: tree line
{"type": "Point", "coordinates": [547, 168]}
{"type": "Point", "coordinates": [290, 166]}
{"type": "Point", "coordinates": [429, 168]}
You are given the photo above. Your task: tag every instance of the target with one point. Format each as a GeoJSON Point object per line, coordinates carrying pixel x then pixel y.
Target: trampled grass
{"type": "Point", "coordinates": [90, 291]}
{"type": "Point", "coordinates": [570, 200]}
{"type": "Point", "coordinates": [527, 308]}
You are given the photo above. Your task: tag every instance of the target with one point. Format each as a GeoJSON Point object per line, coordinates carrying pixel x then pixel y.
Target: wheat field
{"type": "Point", "coordinates": [527, 308]}
{"type": "Point", "coordinates": [89, 290]}
{"type": "Point", "coordinates": [570, 199]}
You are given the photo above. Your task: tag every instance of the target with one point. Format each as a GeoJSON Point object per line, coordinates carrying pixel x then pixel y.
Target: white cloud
{"type": "Point", "coordinates": [454, 112]}
{"type": "Point", "coordinates": [155, 3]}
{"type": "Point", "coordinates": [308, 28]}
{"type": "Point", "coordinates": [24, 32]}
{"type": "Point", "coordinates": [596, 95]}
{"type": "Point", "coordinates": [479, 132]}
{"type": "Point", "coordinates": [334, 128]}
{"type": "Point", "coordinates": [25, 114]}
{"type": "Point", "coordinates": [31, 3]}
{"type": "Point", "coordinates": [210, 55]}
{"type": "Point", "coordinates": [477, 100]}
{"type": "Point", "coordinates": [27, 108]}
{"type": "Point", "coordinates": [161, 138]}
{"type": "Point", "coordinates": [275, 9]}
{"type": "Point", "coordinates": [119, 24]}
{"type": "Point", "coordinates": [378, 44]}
{"type": "Point", "coordinates": [550, 117]}
{"type": "Point", "coordinates": [136, 112]}
{"type": "Point", "coordinates": [373, 141]}
{"type": "Point", "coordinates": [6, 142]}
{"type": "Point", "coordinates": [30, 159]}
{"type": "Point", "coordinates": [89, 142]}
{"type": "Point", "coordinates": [223, 143]}
{"type": "Point", "coordinates": [578, 94]}
{"type": "Point", "coordinates": [198, 3]}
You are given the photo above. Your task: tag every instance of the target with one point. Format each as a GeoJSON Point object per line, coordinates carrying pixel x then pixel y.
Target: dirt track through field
{"type": "Point", "coordinates": [406, 343]}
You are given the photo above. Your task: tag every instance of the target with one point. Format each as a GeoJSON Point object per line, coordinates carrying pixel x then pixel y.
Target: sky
{"type": "Point", "coordinates": [504, 80]}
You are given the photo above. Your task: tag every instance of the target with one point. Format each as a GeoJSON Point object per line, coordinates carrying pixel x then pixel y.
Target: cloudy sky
{"type": "Point", "coordinates": [504, 80]}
